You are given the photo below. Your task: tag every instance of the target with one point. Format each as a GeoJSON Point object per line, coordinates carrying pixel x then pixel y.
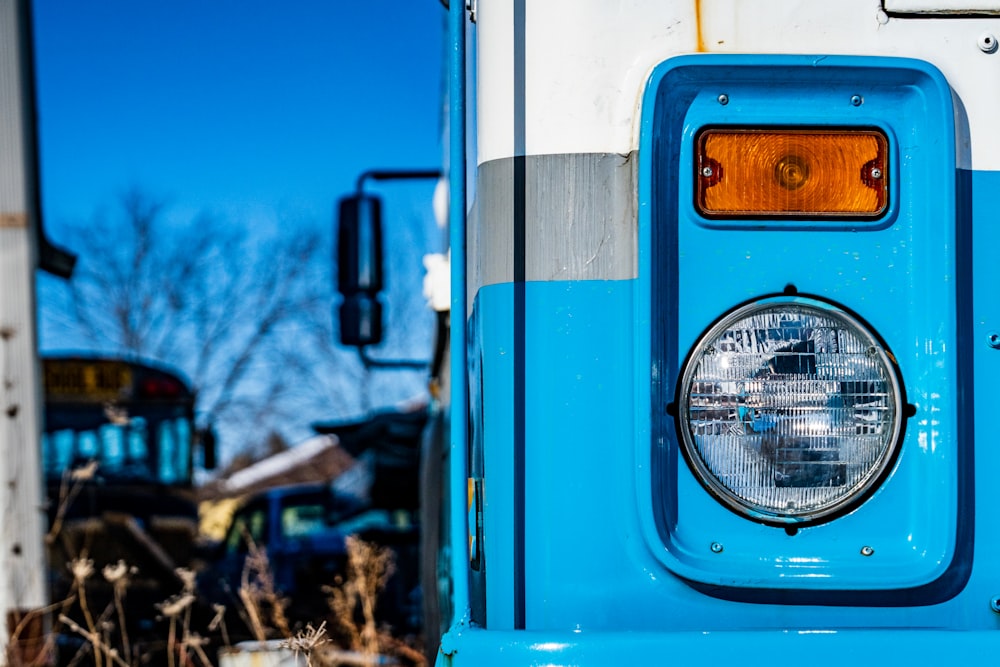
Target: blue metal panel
{"type": "Point", "coordinates": [580, 436]}
{"type": "Point", "coordinates": [599, 589]}
{"type": "Point", "coordinates": [459, 399]}
{"type": "Point", "coordinates": [579, 399]}
{"type": "Point", "coordinates": [587, 564]}
{"type": "Point", "coordinates": [817, 647]}
{"type": "Point", "coordinates": [978, 200]}
{"type": "Point", "coordinates": [898, 273]}
{"type": "Point", "coordinates": [494, 336]}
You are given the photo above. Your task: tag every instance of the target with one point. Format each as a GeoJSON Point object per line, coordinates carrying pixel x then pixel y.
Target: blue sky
{"type": "Point", "coordinates": [244, 107]}
{"type": "Point", "coordinates": [260, 113]}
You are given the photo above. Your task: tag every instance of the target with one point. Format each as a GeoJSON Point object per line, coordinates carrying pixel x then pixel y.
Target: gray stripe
{"type": "Point", "coordinates": [14, 144]}
{"type": "Point", "coordinates": [580, 218]}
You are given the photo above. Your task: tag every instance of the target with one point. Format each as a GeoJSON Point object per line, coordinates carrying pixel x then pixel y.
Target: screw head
{"type": "Point", "coordinates": [857, 100]}
{"type": "Point", "coordinates": [995, 604]}
{"type": "Point", "coordinates": [707, 172]}
{"type": "Point", "coordinates": [867, 551]}
{"type": "Point", "coordinates": [716, 548]}
{"type": "Point", "coordinates": [876, 173]}
{"type": "Point", "coordinates": [993, 339]}
{"type": "Point", "coordinates": [723, 99]}
{"type": "Point", "coordinates": [987, 43]}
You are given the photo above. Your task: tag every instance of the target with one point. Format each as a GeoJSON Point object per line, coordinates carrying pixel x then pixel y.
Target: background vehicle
{"type": "Point", "coordinates": [135, 423]}
{"type": "Point", "coordinates": [297, 527]}
{"type": "Point", "coordinates": [356, 478]}
{"type": "Point", "coordinates": [303, 529]}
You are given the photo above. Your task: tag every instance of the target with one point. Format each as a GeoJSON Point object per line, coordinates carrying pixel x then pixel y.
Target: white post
{"type": "Point", "coordinates": [22, 516]}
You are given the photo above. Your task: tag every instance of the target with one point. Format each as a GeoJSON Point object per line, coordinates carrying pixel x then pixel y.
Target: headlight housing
{"type": "Point", "coordinates": [790, 410]}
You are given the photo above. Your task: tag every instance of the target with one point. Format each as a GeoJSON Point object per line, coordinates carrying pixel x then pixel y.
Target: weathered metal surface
{"type": "Point", "coordinates": [13, 220]}
{"type": "Point", "coordinates": [22, 584]}
{"type": "Point", "coordinates": [579, 219]}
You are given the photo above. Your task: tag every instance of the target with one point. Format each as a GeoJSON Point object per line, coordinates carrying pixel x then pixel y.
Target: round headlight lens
{"type": "Point", "coordinates": [790, 410]}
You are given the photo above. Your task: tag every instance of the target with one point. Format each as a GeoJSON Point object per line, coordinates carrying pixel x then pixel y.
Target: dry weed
{"type": "Point", "coordinates": [107, 643]}
{"type": "Point", "coordinates": [305, 642]}
{"type": "Point", "coordinates": [218, 622]}
{"type": "Point", "coordinates": [368, 569]}
{"type": "Point", "coordinates": [69, 488]}
{"type": "Point", "coordinates": [177, 609]}
{"type": "Point", "coordinates": [259, 595]}
{"type": "Point", "coordinates": [119, 576]}
{"type": "Point", "coordinates": [82, 569]}
{"type": "Point", "coordinates": [96, 641]}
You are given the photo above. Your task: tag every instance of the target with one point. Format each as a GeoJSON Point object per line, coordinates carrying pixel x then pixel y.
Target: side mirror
{"type": "Point", "coordinates": [206, 437]}
{"type": "Point", "coordinates": [359, 269]}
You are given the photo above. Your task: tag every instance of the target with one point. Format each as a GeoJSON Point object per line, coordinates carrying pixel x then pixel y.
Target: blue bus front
{"type": "Point", "coordinates": [729, 384]}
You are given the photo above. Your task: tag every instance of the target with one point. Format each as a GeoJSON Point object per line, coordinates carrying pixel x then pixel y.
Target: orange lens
{"type": "Point", "coordinates": [801, 173]}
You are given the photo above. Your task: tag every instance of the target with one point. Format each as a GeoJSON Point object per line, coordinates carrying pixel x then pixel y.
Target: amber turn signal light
{"type": "Point", "coordinates": [764, 173]}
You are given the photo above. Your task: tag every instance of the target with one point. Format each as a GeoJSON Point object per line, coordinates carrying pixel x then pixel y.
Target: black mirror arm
{"type": "Point", "coordinates": [396, 175]}
{"type": "Point", "coordinates": [371, 363]}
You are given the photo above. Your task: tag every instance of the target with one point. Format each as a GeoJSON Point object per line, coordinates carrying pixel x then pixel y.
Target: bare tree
{"type": "Point", "coordinates": [219, 303]}
{"type": "Point", "coordinates": [245, 313]}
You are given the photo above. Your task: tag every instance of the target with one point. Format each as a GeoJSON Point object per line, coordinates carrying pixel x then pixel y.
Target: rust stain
{"type": "Point", "coordinates": [700, 45]}
{"type": "Point", "coordinates": [13, 220]}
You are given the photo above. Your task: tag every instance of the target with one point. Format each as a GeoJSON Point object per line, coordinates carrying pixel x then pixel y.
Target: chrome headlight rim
{"type": "Point", "coordinates": [860, 491]}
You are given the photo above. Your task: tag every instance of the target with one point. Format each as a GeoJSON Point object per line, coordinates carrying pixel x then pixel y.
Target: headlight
{"type": "Point", "coordinates": [790, 410]}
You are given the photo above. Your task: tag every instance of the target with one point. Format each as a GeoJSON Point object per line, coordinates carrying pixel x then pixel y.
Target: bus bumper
{"type": "Point", "coordinates": [483, 648]}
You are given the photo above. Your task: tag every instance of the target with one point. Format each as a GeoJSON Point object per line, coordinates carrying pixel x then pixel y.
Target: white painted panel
{"type": "Point", "coordinates": [852, 27]}
{"type": "Point", "coordinates": [588, 60]}
{"type": "Point", "coordinates": [495, 79]}
{"type": "Point", "coordinates": [586, 64]}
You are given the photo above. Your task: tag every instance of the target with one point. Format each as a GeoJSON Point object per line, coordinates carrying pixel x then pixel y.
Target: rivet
{"type": "Point", "coordinates": [707, 172]}
{"type": "Point", "coordinates": [994, 340]}
{"type": "Point", "coordinates": [857, 100]}
{"type": "Point", "coordinates": [995, 604]}
{"type": "Point", "coordinates": [723, 99]}
{"type": "Point", "coordinates": [716, 548]}
{"type": "Point", "coordinates": [987, 43]}
{"type": "Point", "coordinates": [867, 551]}
{"type": "Point", "coordinates": [876, 173]}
